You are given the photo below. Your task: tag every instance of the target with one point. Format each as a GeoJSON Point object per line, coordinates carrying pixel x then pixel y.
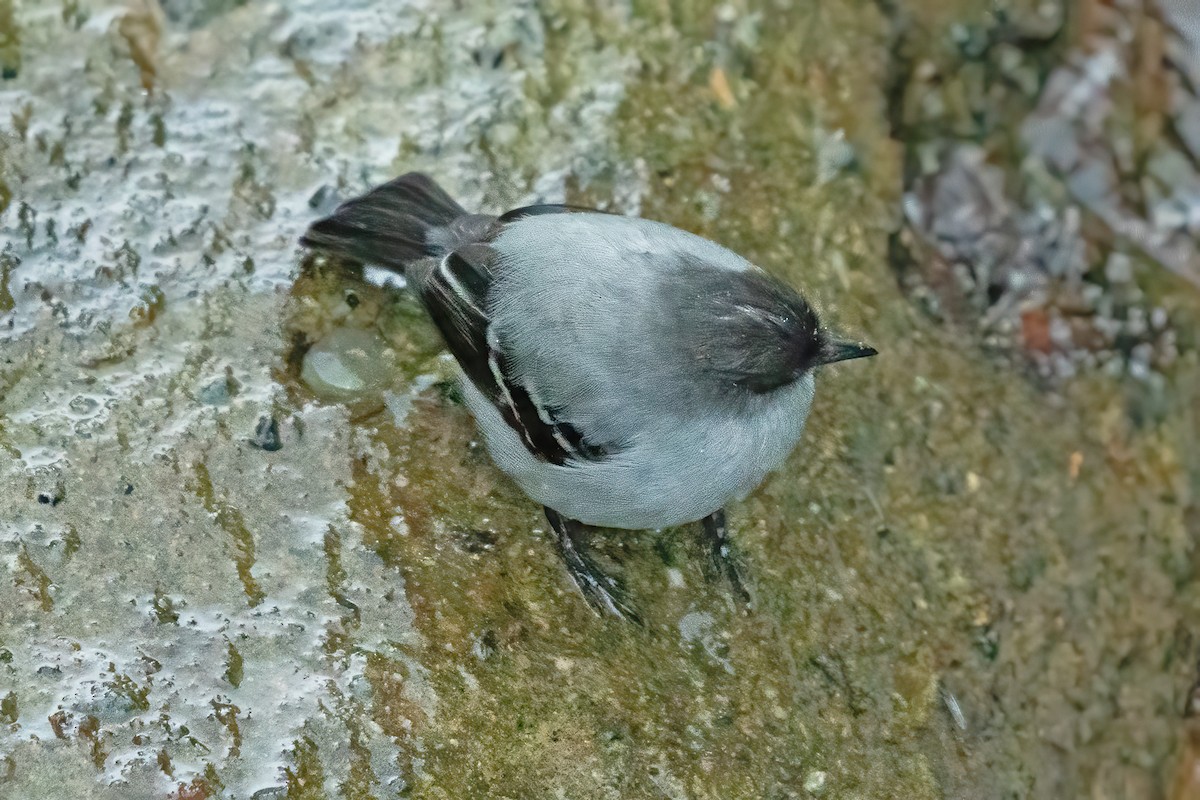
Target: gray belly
{"type": "Point", "coordinates": [672, 475]}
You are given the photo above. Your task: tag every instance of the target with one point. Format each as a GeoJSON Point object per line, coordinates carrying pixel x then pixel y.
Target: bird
{"type": "Point", "coordinates": [625, 373]}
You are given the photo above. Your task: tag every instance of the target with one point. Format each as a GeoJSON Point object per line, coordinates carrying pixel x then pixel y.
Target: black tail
{"type": "Point", "coordinates": [388, 225]}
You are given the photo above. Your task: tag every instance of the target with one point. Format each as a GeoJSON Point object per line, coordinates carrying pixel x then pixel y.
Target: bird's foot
{"type": "Point", "coordinates": [721, 560]}
{"type": "Point", "coordinates": [604, 593]}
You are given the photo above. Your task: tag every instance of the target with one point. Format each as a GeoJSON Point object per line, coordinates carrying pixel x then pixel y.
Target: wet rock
{"type": "Point", "coordinates": [9, 709]}
{"type": "Point", "coordinates": [47, 484]}
{"type": "Point", "coordinates": [10, 42]}
{"type": "Point", "coordinates": [325, 199]}
{"type": "Point", "coordinates": [834, 155]}
{"type": "Point", "coordinates": [476, 540]}
{"type": "Point", "coordinates": [189, 14]}
{"type": "Point", "coordinates": [1187, 123]}
{"type": "Point", "coordinates": [271, 793]}
{"type": "Point", "coordinates": [815, 783]}
{"type": "Point", "coordinates": [1008, 253]}
{"type": "Point", "coordinates": [220, 391]}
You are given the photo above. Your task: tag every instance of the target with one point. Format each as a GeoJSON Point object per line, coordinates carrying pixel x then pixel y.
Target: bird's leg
{"type": "Point", "coordinates": [716, 534]}
{"type": "Point", "coordinates": [603, 593]}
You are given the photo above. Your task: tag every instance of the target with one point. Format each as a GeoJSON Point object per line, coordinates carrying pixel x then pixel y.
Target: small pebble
{"type": "Point", "coordinates": [324, 198]}
{"type": "Point", "coordinates": [814, 782]}
{"type": "Point", "coordinates": [266, 435]}
{"type": "Point", "coordinates": [1118, 269]}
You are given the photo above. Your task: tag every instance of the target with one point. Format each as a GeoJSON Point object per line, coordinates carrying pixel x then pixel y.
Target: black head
{"type": "Point", "coordinates": [757, 333]}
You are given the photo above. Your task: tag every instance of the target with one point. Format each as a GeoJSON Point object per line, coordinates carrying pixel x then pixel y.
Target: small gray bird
{"type": "Point", "coordinates": [625, 373]}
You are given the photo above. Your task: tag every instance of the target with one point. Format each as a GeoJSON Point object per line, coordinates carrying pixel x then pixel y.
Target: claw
{"type": "Point", "coordinates": [720, 555]}
{"type": "Point", "coordinates": [604, 593]}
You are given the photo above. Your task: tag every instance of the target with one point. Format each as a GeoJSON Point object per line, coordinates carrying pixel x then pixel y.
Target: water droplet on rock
{"type": "Point", "coordinates": [347, 363]}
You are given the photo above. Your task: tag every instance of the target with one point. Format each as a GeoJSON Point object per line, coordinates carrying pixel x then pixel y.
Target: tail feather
{"type": "Point", "coordinates": [389, 225]}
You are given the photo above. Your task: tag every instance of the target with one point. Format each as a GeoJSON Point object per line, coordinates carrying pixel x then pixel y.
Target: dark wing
{"type": "Point", "coordinates": [545, 208]}
{"type": "Point", "coordinates": [455, 295]}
